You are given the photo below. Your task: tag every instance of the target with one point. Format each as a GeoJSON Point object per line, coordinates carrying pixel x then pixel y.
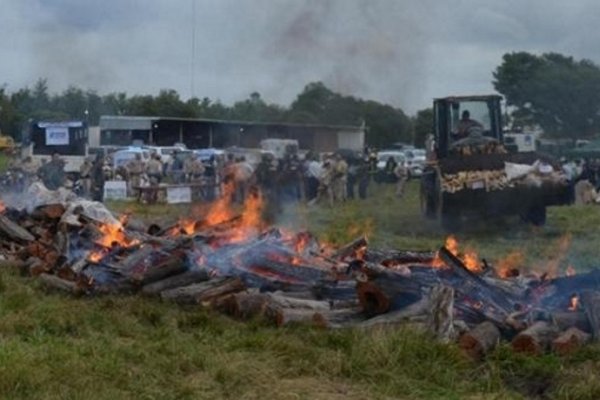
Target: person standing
{"type": "Point", "coordinates": [85, 174]}
{"type": "Point", "coordinates": [52, 173]}
{"type": "Point", "coordinates": [135, 169]}
{"type": "Point", "coordinates": [340, 178]}
{"type": "Point", "coordinates": [401, 173]}
{"type": "Point", "coordinates": [363, 177]}
{"type": "Point", "coordinates": [97, 178]}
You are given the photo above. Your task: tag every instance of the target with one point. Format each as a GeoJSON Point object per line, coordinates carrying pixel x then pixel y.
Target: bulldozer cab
{"type": "Point", "coordinates": [456, 118]}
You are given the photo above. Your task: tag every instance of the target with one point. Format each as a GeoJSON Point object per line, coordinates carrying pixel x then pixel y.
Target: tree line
{"type": "Point", "coordinates": [316, 104]}
{"type": "Point", "coordinates": [554, 91]}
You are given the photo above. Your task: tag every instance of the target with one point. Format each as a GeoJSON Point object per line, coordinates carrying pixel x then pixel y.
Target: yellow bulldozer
{"type": "Point", "coordinates": [7, 143]}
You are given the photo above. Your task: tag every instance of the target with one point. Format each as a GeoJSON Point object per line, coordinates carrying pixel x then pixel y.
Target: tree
{"type": "Point", "coordinates": [560, 94]}
{"type": "Point", "coordinates": [422, 126]}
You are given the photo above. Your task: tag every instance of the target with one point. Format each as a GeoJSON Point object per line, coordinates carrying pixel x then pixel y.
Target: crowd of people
{"type": "Point", "coordinates": [328, 180]}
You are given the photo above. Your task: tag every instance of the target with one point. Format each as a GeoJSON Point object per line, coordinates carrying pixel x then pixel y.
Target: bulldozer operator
{"type": "Point", "coordinates": [465, 125]}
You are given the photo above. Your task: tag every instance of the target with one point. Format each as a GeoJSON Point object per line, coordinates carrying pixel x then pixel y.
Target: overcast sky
{"type": "Point", "coordinates": [401, 52]}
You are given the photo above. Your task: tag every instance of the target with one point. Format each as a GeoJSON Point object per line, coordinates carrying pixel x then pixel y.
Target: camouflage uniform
{"type": "Point", "coordinates": [85, 172]}
{"type": "Point", "coordinates": [340, 179]}
{"type": "Point", "coordinates": [52, 173]}
{"type": "Point", "coordinates": [135, 169]}
{"type": "Point", "coordinates": [401, 173]}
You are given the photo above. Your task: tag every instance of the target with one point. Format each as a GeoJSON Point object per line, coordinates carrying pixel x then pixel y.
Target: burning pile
{"type": "Point", "coordinates": [234, 263]}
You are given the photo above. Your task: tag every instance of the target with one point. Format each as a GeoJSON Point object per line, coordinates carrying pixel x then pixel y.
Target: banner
{"type": "Point", "coordinates": [57, 136]}
{"type": "Point", "coordinates": [179, 195]}
{"type": "Point", "coordinates": [115, 190]}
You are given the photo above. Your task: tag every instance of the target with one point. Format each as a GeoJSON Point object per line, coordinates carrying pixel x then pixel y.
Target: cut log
{"type": "Point", "coordinates": [480, 340]}
{"type": "Point", "coordinates": [342, 318]}
{"type": "Point", "coordinates": [569, 341]}
{"type": "Point", "coordinates": [351, 248]}
{"type": "Point", "coordinates": [570, 319]}
{"type": "Point", "coordinates": [440, 316]}
{"type": "Point", "coordinates": [151, 266]}
{"type": "Point", "coordinates": [536, 339]}
{"type": "Point", "coordinates": [56, 283]}
{"type": "Point", "coordinates": [14, 231]}
{"type": "Point", "coordinates": [591, 305]}
{"type": "Point", "coordinates": [399, 317]}
{"type": "Point", "coordinates": [245, 305]}
{"type": "Point", "coordinates": [205, 292]}
{"type": "Point", "coordinates": [184, 279]}
{"type": "Point", "coordinates": [280, 300]}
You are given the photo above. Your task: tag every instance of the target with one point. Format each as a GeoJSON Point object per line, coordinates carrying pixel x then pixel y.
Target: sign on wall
{"type": "Point", "coordinates": [115, 190]}
{"type": "Point", "coordinates": [57, 136]}
{"type": "Point", "coordinates": [179, 195]}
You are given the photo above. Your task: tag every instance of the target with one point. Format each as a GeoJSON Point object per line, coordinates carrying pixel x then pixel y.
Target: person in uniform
{"type": "Point", "coordinates": [135, 169]}
{"type": "Point", "coordinates": [97, 178]}
{"type": "Point", "coordinates": [340, 179]}
{"type": "Point", "coordinates": [52, 173]}
{"type": "Point", "coordinates": [85, 174]}
{"type": "Point", "coordinates": [401, 173]}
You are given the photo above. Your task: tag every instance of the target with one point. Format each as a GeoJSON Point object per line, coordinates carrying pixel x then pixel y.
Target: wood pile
{"type": "Point", "coordinates": [292, 278]}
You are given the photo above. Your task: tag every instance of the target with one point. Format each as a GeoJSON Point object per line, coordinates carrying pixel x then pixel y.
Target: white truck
{"type": "Point", "coordinates": [280, 147]}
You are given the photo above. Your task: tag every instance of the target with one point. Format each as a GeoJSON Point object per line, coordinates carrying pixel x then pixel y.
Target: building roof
{"type": "Point", "coordinates": [145, 123]}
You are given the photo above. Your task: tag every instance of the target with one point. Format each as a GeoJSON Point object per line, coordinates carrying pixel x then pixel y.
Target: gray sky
{"type": "Point", "coordinates": [401, 52]}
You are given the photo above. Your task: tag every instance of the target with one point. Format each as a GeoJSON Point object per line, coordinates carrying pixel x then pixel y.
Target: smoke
{"type": "Point", "coordinates": [398, 52]}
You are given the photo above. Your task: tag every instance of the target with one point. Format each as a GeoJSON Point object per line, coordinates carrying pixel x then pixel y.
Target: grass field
{"type": "Point", "coordinates": [57, 347]}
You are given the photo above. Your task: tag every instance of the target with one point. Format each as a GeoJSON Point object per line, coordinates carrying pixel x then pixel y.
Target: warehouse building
{"type": "Point", "coordinates": [204, 133]}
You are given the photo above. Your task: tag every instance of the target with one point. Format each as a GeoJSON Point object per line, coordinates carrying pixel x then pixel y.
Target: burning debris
{"type": "Point", "coordinates": [234, 263]}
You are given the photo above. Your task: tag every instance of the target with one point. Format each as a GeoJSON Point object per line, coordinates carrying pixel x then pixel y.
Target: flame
{"type": "Point", "coordinates": [570, 271]}
{"type": "Point", "coordinates": [96, 256]}
{"type": "Point", "coordinates": [220, 211]}
{"type": "Point", "coordinates": [187, 225]}
{"type": "Point", "coordinates": [574, 306]}
{"type": "Point", "coordinates": [2, 207]}
{"type": "Point", "coordinates": [469, 258]}
{"type": "Point", "coordinates": [509, 266]}
{"type": "Point", "coordinates": [113, 234]}
{"type": "Point", "coordinates": [251, 221]}
{"type": "Point", "coordinates": [452, 245]}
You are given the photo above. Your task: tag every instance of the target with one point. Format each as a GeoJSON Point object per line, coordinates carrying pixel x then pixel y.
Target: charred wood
{"type": "Point", "coordinates": [536, 339]}
{"type": "Point", "coordinates": [204, 292]}
{"type": "Point", "coordinates": [480, 340]}
{"type": "Point", "coordinates": [183, 279]}
{"type": "Point", "coordinates": [569, 341]}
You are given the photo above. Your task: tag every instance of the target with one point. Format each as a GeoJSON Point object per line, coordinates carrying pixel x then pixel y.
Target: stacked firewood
{"type": "Point", "coordinates": [489, 180]}
{"type": "Point", "coordinates": [292, 278]}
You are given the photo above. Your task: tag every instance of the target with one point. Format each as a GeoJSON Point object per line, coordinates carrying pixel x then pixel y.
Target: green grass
{"type": "Point", "coordinates": [58, 347]}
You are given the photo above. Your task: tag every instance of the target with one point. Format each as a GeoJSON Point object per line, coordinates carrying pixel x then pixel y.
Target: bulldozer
{"type": "Point", "coordinates": [7, 143]}
{"type": "Point", "coordinates": [470, 174]}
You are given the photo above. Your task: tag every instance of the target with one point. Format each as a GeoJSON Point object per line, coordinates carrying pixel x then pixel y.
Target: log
{"type": "Point", "coordinates": [568, 319]}
{"type": "Point", "coordinates": [342, 318]}
{"type": "Point", "coordinates": [569, 341]}
{"type": "Point", "coordinates": [536, 339]}
{"type": "Point", "coordinates": [480, 340]}
{"type": "Point", "coordinates": [205, 292]}
{"type": "Point", "coordinates": [591, 304]}
{"type": "Point", "coordinates": [280, 300]}
{"type": "Point", "coordinates": [56, 283]}
{"type": "Point", "coordinates": [151, 266]}
{"type": "Point", "coordinates": [350, 248]}
{"type": "Point", "coordinates": [440, 316]}
{"type": "Point", "coordinates": [245, 305]}
{"type": "Point", "coordinates": [14, 231]}
{"type": "Point", "coordinates": [184, 279]}
{"type": "Point", "coordinates": [399, 317]}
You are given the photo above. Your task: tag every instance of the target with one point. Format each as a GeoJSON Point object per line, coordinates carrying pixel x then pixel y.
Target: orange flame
{"type": "Point", "coordinates": [113, 234]}
{"type": "Point", "coordinates": [251, 221]}
{"type": "Point", "coordinates": [96, 256]}
{"type": "Point", "coordinates": [469, 258]}
{"type": "Point", "coordinates": [574, 303]}
{"type": "Point", "coordinates": [220, 211]}
{"type": "Point", "coordinates": [188, 226]}
{"type": "Point", "coordinates": [507, 266]}
{"type": "Point", "coordinates": [570, 271]}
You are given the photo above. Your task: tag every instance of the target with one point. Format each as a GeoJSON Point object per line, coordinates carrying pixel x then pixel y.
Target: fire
{"type": "Point", "coordinates": [574, 306]}
{"type": "Point", "coordinates": [570, 271]}
{"type": "Point", "coordinates": [96, 256]}
{"type": "Point", "coordinates": [2, 207]}
{"type": "Point", "coordinates": [509, 266]}
{"type": "Point", "coordinates": [113, 234]}
{"type": "Point", "coordinates": [220, 211]}
{"type": "Point", "coordinates": [188, 226]}
{"type": "Point", "coordinates": [468, 257]}
{"type": "Point", "coordinates": [251, 221]}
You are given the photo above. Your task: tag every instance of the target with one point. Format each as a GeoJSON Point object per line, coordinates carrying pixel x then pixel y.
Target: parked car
{"type": "Point", "coordinates": [416, 160]}
{"type": "Point", "coordinates": [120, 158]}
{"type": "Point", "coordinates": [382, 160]}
